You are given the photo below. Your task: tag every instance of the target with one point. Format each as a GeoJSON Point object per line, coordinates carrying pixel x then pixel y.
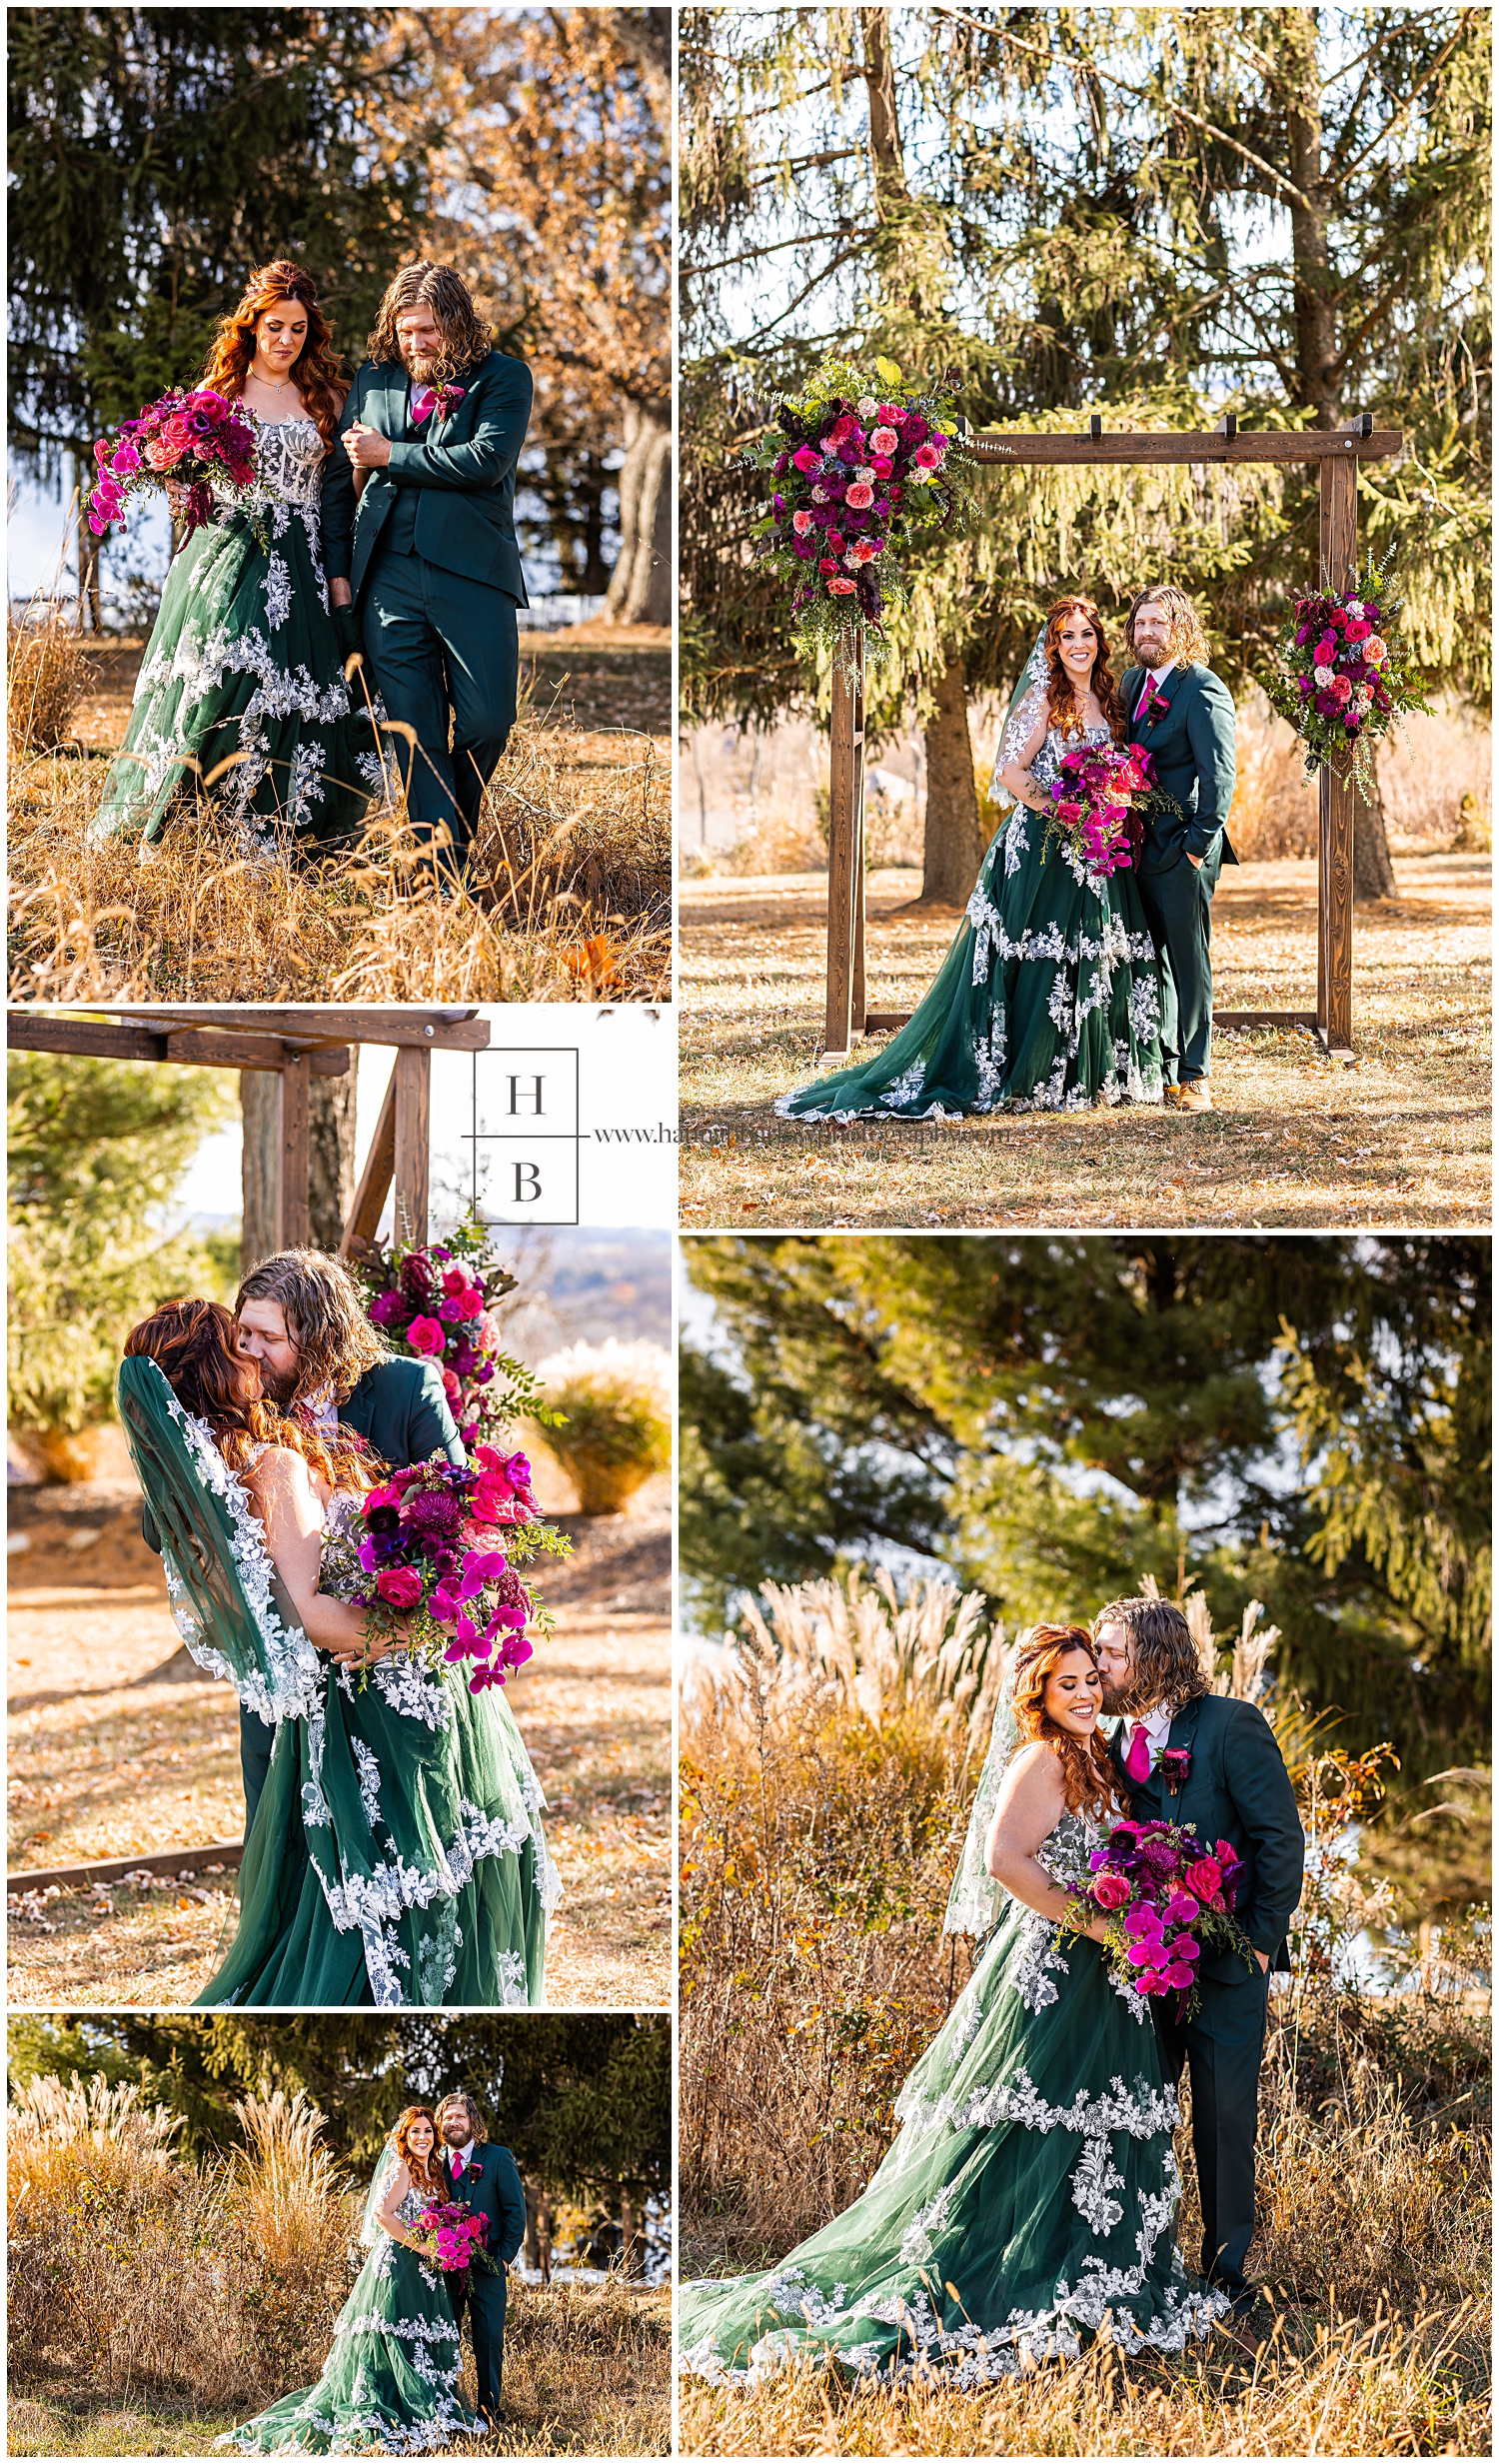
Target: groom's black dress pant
{"type": "Point", "coordinates": [1222, 2048]}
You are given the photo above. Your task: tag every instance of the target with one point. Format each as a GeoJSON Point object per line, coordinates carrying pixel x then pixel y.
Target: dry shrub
{"type": "Point", "coordinates": [565, 852]}
{"type": "Point", "coordinates": [588, 2370]}
{"type": "Point", "coordinates": [828, 1768]}
{"type": "Point", "coordinates": [46, 678]}
{"type": "Point", "coordinates": [824, 1799]}
{"type": "Point", "coordinates": [617, 1399]}
{"type": "Point", "coordinates": [134, 2271]}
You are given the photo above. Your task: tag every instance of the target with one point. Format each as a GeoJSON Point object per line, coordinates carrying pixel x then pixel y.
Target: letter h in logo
{"type": "Point", "coordinates": [525, 1134]}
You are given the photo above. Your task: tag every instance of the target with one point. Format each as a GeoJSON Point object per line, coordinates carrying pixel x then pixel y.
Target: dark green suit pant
{"type": "Point", "coordinates": [1178, 908]}
{"type": "Point", "coordinates": [1221, 2048]}
{"type": "Point", "coordinates": [436, 642]}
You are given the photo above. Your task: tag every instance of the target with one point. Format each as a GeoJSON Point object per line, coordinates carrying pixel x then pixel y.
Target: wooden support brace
{"type": "Point", "coordinates": [412, 1078]}
{"type": "Point", "coordinates": [294, 1086]}
{"type": "Point", "coordinates": [374, 1179]}
{"type": "Point", "coordinates": [1337, 490]}
{"type": "Point", "coordinates": [845, 814]}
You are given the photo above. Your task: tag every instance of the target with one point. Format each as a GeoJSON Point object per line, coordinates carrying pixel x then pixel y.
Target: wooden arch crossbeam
{"type": "Point", "coordinates": [1336, 453]}
{"type": "Point", "coordinates": [296, 1045]}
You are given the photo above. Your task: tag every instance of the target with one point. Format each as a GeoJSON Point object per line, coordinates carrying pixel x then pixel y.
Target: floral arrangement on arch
{"type": "Point", "coordinates": [861, 469]}
{"type": "Point", "coordinates": [196, 442]}
{"type": "Point", "coordinates": [1342, 674]}
{"type": "Point", "coordinates": [436, 1303]}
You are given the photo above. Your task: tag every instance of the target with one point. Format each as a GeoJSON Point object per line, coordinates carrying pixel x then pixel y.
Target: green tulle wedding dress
{"type": "Point", "coordinates": [244, 665]}
{"type": "Point", "coordinates": [389, 2384]}
{"type": "Point", "coordinates": [1029, 2197]}
{"type": "Point", "coordinates": [1048, 1000]}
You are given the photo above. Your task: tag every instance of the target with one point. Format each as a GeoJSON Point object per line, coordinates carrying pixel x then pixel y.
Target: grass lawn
{"type": "Point", "coordinates": [1402, 1137]}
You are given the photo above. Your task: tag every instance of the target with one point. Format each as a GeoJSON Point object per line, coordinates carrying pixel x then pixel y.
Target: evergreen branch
{"type": "Point", "coordinates": [826, 273]}
{"type": "Point", "coordinates": [1440, 62]}
{"type": "Point", "coordinates": [1141, 94]}
{"type": "Point", "coordinates": [800, 238]}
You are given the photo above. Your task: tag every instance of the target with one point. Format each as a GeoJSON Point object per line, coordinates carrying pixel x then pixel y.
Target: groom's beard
{"type": "Point", "coordinates": [422, 368]}
{"type": "Point", "coordinates": [278, 1390]}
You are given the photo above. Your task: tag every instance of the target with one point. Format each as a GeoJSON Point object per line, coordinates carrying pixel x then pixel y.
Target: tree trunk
{"type": "Point", "coordinates": [260, 1219]}
{"type": "Point", "coordinates": [531, 2246]}
{"type": "Point", "coordinates": [330, 1179]}
{"type": "Point", "coordinates": [885, 152]}
{"type": "Point", "coordinates": [543, 2235]}
{"type": "Point", "coordinates": [1373, 873]}
{"type": "Point", "coordinates": [639, 590]}
{"type": "Point", "coordinates": [952, 848]}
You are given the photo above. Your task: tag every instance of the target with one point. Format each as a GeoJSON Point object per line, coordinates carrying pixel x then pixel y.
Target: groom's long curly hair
{"type": "Point", "coordinates": [1090, 1784]}
{"type": "Point", "coordinates": [1165, 1664]}
{"type": "Point", "coordinates": [317, 373]}
{"type": "Point", "coordinates": [325, 1318]}
{"type": "Point", "coordinates": [196, 1345]}
{"type": "Point", "coordinates": [466, 339]}
{"type": "Point", "coordinates": [1061, 693]}
{"type": "Point", "coordinates": [1186, 643]}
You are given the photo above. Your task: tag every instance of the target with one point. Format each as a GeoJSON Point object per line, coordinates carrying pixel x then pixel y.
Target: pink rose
{"type": "Point", "coordinates": [376, 1497]}
{"type": "Point", "coordinates": [1376, 651]}
{"type": "Point", "coordinates": [424, 1335]}
{"type": "Point", "coordinates": [807, 458]}
{"type": "Point", "coordinates": [802, 521]}
{"type": "Point", "coordinates": [159, 453]}
{"type": "Point", "coordinates": [1111, 1890]}
{"type": "Point", "coordinates": [885, 440]}
{"type": "Point", "coordinates": [827, 564]}
{"type": "Point", "coordinates": [1358, 631]}
{"type": "Point", "coordinates": [451, 1387]}
{"type": "Point", "coordinates": [400, 1584]}
{"type": "Point", "coordinates": [882, 466]}
{"type": "Point", "coordinates": [926, 458]}
{"type": "Point", "coordinates": [453, 1282]}
{"type": "Point", "coordinates": [1342, 688]}
{"type": "Point", "coordinates": [841, 586]}
{"type": "Point", "coordinates": [1204, 1877]}
{"type": "Point", "coordinates": [861, 495]}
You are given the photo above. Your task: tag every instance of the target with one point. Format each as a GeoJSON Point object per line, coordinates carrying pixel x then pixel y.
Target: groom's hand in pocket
{"type": "Point", "coordinates": [1194, 861]}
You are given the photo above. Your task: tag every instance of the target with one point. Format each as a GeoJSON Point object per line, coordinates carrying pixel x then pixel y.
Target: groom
{"type": "Point", "coordinates": [302, 1317]}
{"type": "Point", "coordinates": [485, 2179]}
{"type": "Point", "coordinates": [1181, 713]}
{"type": "Point", "coordinates": [419, 537]}
{"type": "Point", "coordinates": [1227, 1777]}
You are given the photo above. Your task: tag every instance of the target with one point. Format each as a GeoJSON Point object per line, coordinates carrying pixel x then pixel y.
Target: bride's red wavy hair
{"type": "Point", "coordinates": [1061, 694]}
{"type": "Point", "coordinates": [319, 374]}
{"type": "Point", "coordinates": [1090, 1784]}
{"type": "Point", "coordinates": [401, 2138]}
{"type": "Point", "coordinates": [195, 1345]}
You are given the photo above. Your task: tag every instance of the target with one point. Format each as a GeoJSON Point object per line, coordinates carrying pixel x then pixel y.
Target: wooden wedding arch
{"type": "Point", "coordinates": [1336, 453]}
{"type": "Point", "coordinates": [296, 1045]}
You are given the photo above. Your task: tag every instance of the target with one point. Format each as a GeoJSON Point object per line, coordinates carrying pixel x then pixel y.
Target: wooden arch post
{"type": "Point", "coordinates": [1336, 453]}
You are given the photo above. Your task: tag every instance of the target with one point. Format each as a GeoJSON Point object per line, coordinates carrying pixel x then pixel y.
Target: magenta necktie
{"type": "Point", "coordinates": [422, 404]}
{"type": "Point", "coordinates": [1143, 701]}
{"type": "Point", "coordinates": [1137, 1760]}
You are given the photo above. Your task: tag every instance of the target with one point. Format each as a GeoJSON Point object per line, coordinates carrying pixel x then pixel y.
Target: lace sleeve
{"type": "Point", "coordinates": [1022, 726]}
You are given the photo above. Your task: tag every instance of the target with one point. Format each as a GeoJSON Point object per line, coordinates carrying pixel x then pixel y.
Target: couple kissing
{"type": "Point", "coordinates": [1070, 983]}
{"type": "Point", "coordinates": [1028, 2204]}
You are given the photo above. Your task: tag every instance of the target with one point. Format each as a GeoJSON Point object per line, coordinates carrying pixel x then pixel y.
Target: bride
{"type": "Point", "coordinates": [1050, 997]}
{"type": "Point", "coordinates": [392, 2375]}
{"type": "Point", "coordinates": [1032, 2190]}
{"type": "Point", "coordinates": [396, 1855]}
{"type": "Point", "coordinates": [242, 677]}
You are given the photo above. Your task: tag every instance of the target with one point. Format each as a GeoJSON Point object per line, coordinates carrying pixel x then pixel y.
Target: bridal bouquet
{"type": "Point", "coordinates": [1342, 674]}
{"type": "Point", "coordinates": [1164, 1897]}
{"type": "Point", "coordinates": [861, 467]}
{"type": "Point", "coordinates": [199, 442]}
{"type": "Point", "coordinates": [436, 1562]}
{"type": "Point", "coordinates": [450, 2237]}
{"type": "Point", "coordinates": [1099, 798]}
{"type": "Point", "coordinates": [433, 1303]}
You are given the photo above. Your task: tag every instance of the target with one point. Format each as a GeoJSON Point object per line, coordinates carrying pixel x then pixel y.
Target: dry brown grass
{"type": "Point", "coordinates": [1296, 1139]}
{"type": "Point", "coordinates": [571, 896]}
{"type": "Point", "coordinates": [825, 1791]}
{"type": "Point", "coordinates": [47, 676]}
{"type": "Point", "coordinates": [115, 2350]}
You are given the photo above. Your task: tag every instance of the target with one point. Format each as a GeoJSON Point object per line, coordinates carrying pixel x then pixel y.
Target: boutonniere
{"type": "Point", "coordinates": [1158, 706]}
{"type": "Point", "coordinates": [475, 2172]}
{"type": "Point", "coordinates": [1174, 1764]}
{"type": "Point", "coordinates": [435, 402]}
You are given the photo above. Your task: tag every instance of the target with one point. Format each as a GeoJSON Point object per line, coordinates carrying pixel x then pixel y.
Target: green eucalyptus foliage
{"type": "Point", "coordinates": [97, 1152]}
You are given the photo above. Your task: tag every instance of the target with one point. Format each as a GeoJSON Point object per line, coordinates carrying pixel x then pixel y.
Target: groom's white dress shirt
{"type": "Point", "coordinates": [460, 2155]}
{"type": "Point", "coordinates": [1158, 678]}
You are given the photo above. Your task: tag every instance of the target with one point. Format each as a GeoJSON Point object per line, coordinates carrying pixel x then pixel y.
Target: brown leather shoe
{"type": "Point", "coordinates": [1195, 1096]}
{"type": "Point", "coordinates": [1171, 1097]}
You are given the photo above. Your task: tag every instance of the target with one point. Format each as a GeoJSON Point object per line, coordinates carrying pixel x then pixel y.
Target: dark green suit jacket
{"type": "Point", "coordinates": [400, 1409]}
{"type": "Point", "coordinates": [1193, 746]}
{"type": "Point", "coordinates": [1237, 1789]}
{"type": "Point", "coordinates": [465, 475]}
{"type": "Point", "coordinates": [500, 2199]}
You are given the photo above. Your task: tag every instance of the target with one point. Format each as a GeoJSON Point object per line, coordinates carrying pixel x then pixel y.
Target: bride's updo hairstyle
{"type": "Point", "coordinates": [195, 1345]}
{"type": "Point", "coordinates": [1060, 693]}
{"type": "Point", "coordinates": [424, 2173]}
{"type": "Point", "coordinates": [318, 374]}
{"type": "Point", "coordinates": [1090, 1784]}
